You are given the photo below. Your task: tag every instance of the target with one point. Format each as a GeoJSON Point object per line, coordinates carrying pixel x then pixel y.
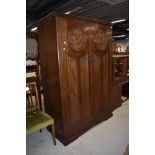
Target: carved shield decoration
{"type": "Point", "coordinates": [76, 39]}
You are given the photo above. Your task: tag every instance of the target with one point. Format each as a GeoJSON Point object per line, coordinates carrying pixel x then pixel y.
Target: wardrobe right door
{"type": "Point", "coordinates": [99, 70]}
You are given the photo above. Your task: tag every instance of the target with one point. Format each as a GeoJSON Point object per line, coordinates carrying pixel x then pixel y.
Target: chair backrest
{"type": "Point", "coordinates": [32, 98]}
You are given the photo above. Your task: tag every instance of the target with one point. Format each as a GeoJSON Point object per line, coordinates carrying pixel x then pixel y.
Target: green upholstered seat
{"type": "Point", "coordinates": [37, 120]}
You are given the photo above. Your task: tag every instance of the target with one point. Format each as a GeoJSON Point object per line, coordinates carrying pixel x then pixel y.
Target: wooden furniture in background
{"type": "Point", "coordinates": [76, 72]}
{"type": "Point", "coordinates": [35, 118]}
{"type": "Point", "coordinates": [33, 69]}
{"type": "Point", "coordinates": [116, 48]}
{"type": "Point", "coordinates": [120, 78]}
{"type": "Point", "coordinates": [125, 89]}
{"type": "Point", "coordinates": [120, 66]}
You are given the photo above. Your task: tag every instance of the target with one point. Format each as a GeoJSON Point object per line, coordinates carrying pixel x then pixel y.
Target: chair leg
{"type": "Point", "coordinates": [40, 101]}
{"type": "Point", "coordinates": [53, 134]}
{"type": "Point", "coordinates": [40, 130]}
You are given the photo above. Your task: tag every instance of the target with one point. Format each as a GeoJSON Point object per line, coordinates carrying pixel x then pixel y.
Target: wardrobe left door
{"type": "Point", "coordinates": [74, 45]}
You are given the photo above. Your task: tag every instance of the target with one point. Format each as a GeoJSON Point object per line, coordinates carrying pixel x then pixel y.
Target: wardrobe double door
{"type": "Point", "coordinates": [83, 54]}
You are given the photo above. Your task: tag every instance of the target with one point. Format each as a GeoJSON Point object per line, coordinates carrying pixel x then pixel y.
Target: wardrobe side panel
{"type": "Point", "coordinates": [50, 72]}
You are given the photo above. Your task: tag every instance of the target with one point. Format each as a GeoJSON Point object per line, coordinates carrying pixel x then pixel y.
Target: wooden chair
{"type": "Point", "coordinates": [35, 118]}
{"type": "Point", "coordinates": [39, 88]}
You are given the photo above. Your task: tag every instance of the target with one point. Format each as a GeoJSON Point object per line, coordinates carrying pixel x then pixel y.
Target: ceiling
{"type": "Point", "coordinates": [106, 10]}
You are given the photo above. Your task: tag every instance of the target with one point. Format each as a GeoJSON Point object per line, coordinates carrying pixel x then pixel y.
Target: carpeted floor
{"type": "Point", "coordinates": [110, 137]}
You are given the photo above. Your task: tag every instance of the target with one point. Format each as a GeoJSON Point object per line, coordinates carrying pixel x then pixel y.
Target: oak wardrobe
{"type": "Point", "coordinates": [75, 57]}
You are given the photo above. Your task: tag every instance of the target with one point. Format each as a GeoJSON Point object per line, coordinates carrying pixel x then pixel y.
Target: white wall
{"type": "Point", "coordinates": [31, 48]}
{"type": "Point", "coordinates": [124, 43]}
